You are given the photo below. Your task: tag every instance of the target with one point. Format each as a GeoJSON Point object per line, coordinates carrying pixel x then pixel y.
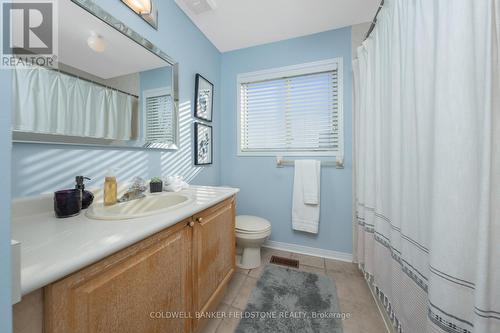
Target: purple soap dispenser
{"type": "Point", "coordinates": [87, 196]}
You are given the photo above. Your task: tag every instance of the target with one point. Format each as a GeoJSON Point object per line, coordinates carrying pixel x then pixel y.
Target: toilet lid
{"type": "Point", "coordinates": [250, 223]}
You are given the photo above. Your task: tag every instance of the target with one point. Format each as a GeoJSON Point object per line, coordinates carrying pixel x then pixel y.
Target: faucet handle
{"type": "Point", "coordinates": [138, 184]}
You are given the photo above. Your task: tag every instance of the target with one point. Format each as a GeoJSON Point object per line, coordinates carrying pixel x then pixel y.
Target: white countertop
{"type": "Point", "coordinates": [52, 248]}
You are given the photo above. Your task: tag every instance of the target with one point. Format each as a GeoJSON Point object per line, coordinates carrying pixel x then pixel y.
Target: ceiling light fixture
{"type": "Point", "coordinates": [141, 7]}
{"type": "Point", "coordinates": [200, 6]}
{"type": "Point", "coordinates": [96, 42]}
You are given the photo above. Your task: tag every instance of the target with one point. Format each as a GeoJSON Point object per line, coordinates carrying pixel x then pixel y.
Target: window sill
{"type": "Point", "coordinates": [289, 153]}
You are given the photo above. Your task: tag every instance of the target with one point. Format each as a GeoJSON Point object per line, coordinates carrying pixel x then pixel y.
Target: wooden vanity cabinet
{"type": "Point", "coordinates": [213, 257]}
{"type": "Point", "coordinates": [177, 272]}
{"type": "Point", "coordinates": [119, 293]}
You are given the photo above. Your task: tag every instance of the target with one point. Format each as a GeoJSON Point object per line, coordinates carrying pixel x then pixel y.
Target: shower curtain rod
{"type": "Point", "coordinates": [82, 78]}
{"type": "Point", "coordinates": [89, 80]}
{"type": "Point", "coordinates": [374, 20]}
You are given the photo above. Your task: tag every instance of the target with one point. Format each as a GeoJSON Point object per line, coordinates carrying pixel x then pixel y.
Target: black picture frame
{"type": "Point", "coordinates": [201, 85]}
{"type": "Point", "coordinates": [198, 159]}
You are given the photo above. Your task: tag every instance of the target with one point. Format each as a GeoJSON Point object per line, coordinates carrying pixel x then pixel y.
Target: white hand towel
{"type": "Point", "coordinates": [306, 198]}
{"type": "Point", "coordinates": [309, 175]}
{"type": "Point", "coordinates": [174, 184]}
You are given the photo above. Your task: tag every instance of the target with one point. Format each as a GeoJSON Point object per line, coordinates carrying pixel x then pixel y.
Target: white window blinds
{"type": "Point", "coordinates": [296, 113]}
{"type": "Point", "coordinates": [159, 127]}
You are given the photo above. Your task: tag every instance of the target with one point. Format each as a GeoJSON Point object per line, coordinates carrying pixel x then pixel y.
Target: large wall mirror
{"type": "Point", "coordinates": [111, 87]}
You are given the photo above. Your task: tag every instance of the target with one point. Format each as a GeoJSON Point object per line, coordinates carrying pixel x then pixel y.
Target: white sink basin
{"type": "Point", "coordinates": [150, 205]}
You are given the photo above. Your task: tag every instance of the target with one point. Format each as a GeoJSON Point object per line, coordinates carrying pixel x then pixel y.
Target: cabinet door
{"type": "Point", "coordinates": [214, 254]}
{"type": "Point", "coordinates": [129, 290]}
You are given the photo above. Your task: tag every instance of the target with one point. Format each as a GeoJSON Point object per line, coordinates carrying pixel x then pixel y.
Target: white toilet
{"type": "Point", "coordinates": [251, 233]}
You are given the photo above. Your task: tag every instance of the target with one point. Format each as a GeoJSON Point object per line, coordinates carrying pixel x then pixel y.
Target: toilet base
{"type": "Point", "coordinates": [249, 258]}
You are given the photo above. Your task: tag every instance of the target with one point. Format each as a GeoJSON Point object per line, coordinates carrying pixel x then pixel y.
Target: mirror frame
{"type": "Point", "coordinates": [92, 8]}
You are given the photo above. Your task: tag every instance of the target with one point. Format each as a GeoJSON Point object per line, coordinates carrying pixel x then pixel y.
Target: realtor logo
{"type": "Point", "coordinates": [28, 33]}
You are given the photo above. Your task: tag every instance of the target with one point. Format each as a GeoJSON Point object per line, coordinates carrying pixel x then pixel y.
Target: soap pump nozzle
{"type": "Point", "coordinates": [87, 196]}
{"type": "Point", "coordinates": [80, 182]}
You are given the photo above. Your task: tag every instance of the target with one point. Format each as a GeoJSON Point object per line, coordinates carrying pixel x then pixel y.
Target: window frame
{"type": "Point", "coordinates": [154, 92]}
{"type": "Point", "coordinates": [287, 71]}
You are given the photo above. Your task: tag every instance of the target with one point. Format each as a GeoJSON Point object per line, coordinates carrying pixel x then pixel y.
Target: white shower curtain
{"type": "Point", "coordinates": [427, 174]}
{"type": "Point", "coordinates": [47, 101]}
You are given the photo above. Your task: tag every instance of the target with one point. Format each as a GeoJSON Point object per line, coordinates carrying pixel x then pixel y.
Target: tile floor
{"type": "Point", "coordinates": [354, 296]}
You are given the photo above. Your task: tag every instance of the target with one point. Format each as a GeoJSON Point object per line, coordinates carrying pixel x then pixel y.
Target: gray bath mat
{"type": "Point", "coordinates": [288, 301]}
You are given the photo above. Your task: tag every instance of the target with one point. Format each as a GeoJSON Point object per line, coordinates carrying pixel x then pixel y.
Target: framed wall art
{"type": "Point", "coordinates": [203, 144]}
{"type": "Point", "coordinates": [204, 93]}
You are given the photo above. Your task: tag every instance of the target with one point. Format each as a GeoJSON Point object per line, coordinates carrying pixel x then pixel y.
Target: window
{"type": "Point", "coordinates": [295, 110]}
{"type": "Point", "coordinates": [158, 117]}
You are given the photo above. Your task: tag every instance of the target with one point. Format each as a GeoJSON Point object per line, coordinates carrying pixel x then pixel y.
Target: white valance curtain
{"type": "Point", "coordinates": [50, 102]}
{"type": "Point", "coordinates": [427, 175]}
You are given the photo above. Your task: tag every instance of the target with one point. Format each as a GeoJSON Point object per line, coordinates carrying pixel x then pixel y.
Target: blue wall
{"type": "Point", "coordinates": [265, 190]}
{"type": "Point", "coordinates": [5, 153]}
{"type": "Point", "coordinates": [44, 168]}
{"type": "Point", "coordinates": [155, 78]}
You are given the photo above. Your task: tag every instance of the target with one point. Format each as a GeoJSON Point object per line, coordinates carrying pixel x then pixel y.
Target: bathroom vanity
{"type": "Point", "coordinates": [151, 274]}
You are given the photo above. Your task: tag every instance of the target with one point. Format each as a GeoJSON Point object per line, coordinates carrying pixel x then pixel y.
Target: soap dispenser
{"type": "Point", "coordinates": [87, 196]}
{"type": "Point", "coordinates": [110, 189]}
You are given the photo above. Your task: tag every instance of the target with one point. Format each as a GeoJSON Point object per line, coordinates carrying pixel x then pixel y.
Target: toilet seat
{"type": "Point", "coordinates": [244, 232]}
{"type": "Point", "coordinates": [246, 224]}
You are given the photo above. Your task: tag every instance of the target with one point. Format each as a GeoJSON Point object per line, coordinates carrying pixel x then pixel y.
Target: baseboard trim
{"type": "Point", "coordinates": [312, 251]}
{"type": "Point", "coordinates": [380, 307]}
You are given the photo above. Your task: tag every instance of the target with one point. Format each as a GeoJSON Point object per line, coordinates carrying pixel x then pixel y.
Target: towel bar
{"type": "Point", "coordinates": [280, 163]}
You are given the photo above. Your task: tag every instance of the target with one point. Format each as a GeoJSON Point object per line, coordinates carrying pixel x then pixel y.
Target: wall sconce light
{"type": "Point", "coordinates": [141, 7]}
{"type": "Point", "coordinates": [145, 9]}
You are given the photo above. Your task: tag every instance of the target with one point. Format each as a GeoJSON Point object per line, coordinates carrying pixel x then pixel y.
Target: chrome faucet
{"type": "Point", "coordinates": [135, 191]}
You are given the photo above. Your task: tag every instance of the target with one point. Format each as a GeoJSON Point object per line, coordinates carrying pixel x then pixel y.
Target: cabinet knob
{"type": "Point", "coordinates": [191, 224]}
{"type": "Point", "coordinates": [199, 219]}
